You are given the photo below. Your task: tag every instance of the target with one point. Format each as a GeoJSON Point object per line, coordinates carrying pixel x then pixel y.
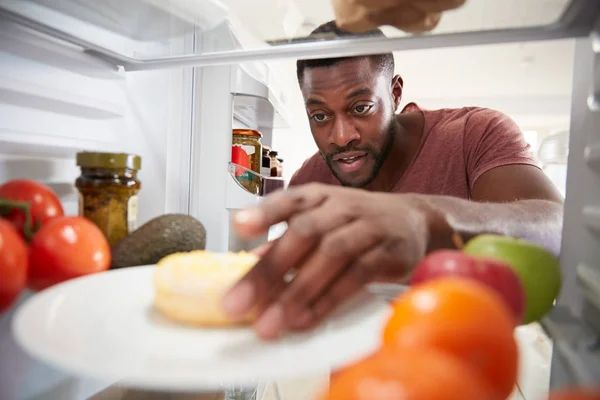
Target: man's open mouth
{"type": "Point", "coordinates": [350, 161]}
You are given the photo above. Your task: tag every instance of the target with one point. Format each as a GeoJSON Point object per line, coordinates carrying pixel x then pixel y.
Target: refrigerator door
{"type": "Point", "coordinates": [55, 101]}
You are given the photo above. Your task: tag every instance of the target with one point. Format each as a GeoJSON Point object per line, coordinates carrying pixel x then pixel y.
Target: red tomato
{"type": "Point", "coordinates": [13, 264]}
{"type": "Point", "coordinates": [44, 204]}
{"type": "Point", "coordinates": [66, 248]}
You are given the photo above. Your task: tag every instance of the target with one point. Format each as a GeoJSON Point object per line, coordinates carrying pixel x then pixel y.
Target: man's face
{"type": "Point", "coordinates": [350, 106]}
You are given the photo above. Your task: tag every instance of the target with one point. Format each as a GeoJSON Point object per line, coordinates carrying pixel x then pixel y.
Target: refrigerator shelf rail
{"type": "Point", "coordinates": [576, 21]}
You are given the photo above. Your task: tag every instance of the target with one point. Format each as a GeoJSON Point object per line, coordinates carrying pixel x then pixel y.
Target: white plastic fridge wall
{"type": "Point", "coordinates": [575, 322]}
{"type": "Point", "coordinates": [58, 102]}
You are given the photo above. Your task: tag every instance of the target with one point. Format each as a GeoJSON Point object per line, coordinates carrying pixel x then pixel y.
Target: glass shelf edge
{"type": "Point", "coordinates": [347, 48]}
{"type": "Point", "coordinates": [577, 21]}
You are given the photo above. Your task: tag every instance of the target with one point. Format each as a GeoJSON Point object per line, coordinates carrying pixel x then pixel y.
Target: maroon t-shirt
{"type": "Point", "coordinates": [456, 148]}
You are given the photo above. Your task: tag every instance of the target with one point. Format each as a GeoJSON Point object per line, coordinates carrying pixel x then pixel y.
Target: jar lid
{"type": "Point", "coordinates": [274, 153]}
{"type": "Point", "coordinates": [247, 132]}
{"type": "Point", "coordinates": [87, 159]}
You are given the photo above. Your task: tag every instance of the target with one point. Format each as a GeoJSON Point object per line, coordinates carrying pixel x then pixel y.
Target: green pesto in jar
{"type": "Point", "coordinates": [108, 188]}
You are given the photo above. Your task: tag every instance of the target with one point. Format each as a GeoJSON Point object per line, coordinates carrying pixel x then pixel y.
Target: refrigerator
{"type": "Point", "coordinates": [169, 80]}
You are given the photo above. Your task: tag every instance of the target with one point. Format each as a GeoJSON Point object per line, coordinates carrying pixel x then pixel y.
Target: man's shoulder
{"type": "Point", "coordinates": [454, 123]}
{"type": "Point", "coordinates": [468, 114]}
{"type": "Point", "coordinates": [453, 112]}
{"type": "Point", "coordinates": [314, 169]}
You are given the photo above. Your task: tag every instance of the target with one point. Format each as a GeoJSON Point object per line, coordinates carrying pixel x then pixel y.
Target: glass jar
{"type": "Point", "coordinates": [274, 162]}
{"type": "Point", "coordinates": [108, 188]}
{"type": "Point", "coordinates": [265, 165]}
{"type": "Point", "coordinates": [246, 152]}
{"type": "Point", "coordinates": [280, 167]}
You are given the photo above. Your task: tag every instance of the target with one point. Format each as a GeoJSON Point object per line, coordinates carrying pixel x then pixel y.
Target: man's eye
{"type": "Point", "coordinates": [362, 109]}
{"type": "Point", "coordinates": [320, 117]}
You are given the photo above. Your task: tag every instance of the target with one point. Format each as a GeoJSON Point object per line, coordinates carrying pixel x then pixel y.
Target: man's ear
{"type": "Point", "coordinates": [397, 84]}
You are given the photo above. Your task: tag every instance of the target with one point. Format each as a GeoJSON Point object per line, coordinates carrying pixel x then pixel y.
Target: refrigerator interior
{"type": "Point", "coordinates": [56, 100]}
{"type": "Point", "coordinates": [112, 76]}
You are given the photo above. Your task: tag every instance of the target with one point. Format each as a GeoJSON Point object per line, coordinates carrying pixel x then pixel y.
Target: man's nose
{"type": "Point", "coordinates": [343, 133]}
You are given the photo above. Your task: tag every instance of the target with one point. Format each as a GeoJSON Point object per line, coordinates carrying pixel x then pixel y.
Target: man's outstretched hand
{"type": "Point", "coordinates": [414, 16]}
{"type": "Point", "coordinates": [338, 240]}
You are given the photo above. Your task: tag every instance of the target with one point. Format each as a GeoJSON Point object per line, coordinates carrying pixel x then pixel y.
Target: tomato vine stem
{"type": "Point", "coordinates": [7, 206]}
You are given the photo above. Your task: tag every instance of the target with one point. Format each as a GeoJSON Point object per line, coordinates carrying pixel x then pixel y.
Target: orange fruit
{"type": "Point", "coordinates": [463, 318]}
{"type": "Point", "coordinates": [409, 374]}
{"type": "Point", "coordinates": [579, 393]}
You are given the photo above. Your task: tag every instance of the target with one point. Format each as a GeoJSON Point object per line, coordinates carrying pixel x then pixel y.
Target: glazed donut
{"type": "Point", "coordinates": [189, 286]}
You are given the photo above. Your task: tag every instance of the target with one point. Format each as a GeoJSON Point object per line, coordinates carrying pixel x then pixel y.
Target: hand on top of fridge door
{"type": "Point", "coordinates": [415, 16]}
{"type": "Point", "coordinates": [338, 239]}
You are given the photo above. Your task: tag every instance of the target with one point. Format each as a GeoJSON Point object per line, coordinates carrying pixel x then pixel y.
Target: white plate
{"type": "Point", "coordinates": [103, 326]}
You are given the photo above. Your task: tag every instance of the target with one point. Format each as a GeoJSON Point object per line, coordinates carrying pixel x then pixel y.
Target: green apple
{"type": "Point", "coordinates": [538, 269]}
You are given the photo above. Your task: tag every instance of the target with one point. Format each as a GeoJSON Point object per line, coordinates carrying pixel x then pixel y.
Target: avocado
{"type": "Point", "coordinates": [157, 238]}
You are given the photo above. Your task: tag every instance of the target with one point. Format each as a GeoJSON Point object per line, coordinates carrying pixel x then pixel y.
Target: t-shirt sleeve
{"type": "Point", "coordinates": [492, 139]}
{"type": "Point", "coordinates": [313, 169]}
{"type": "Point", "coordinates": [304, 174]}
{"type": "Point", "coordinates": [296, 179]}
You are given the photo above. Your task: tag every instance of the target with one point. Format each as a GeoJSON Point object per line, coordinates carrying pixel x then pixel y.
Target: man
{"type": "Point", "coordinates": [384, 190]}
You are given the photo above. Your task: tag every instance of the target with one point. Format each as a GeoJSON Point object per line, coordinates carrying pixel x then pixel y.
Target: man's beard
{"type": "Point", "coordinates": [379, 158]}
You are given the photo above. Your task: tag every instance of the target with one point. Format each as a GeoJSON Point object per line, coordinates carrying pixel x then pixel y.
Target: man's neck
{"type": "Point", "coordinates": [408, 130]}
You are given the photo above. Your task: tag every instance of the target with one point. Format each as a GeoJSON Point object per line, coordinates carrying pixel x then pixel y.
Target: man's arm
{"type": "Point", "coordinates": [340, 238]}
{"type": "Point", "coordinates": [538, 221]}
{"type": "Point", "coordinates": [510, 194]}
{"type": "Point", "coordinates": [513, 200]}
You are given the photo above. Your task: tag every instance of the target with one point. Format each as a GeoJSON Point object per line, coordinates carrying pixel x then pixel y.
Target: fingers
{"type": "Point", "coordinates": [409, 19]}
{"type": "Point", "coordinates": [415, 16]}
{"type": "Point", "coordinates": [267, 274]}
{"type": "Point", "coordinates": [261, 250]}
{"type": "Point", "coordinates": [332, 256]}
{"type": "Point", "coordinates": [430, 6]}
{"type": "Point", "coordinates": [278, 207]}
{"type": "Point", "coordinates": [395, 17]}
{"type": "Point", "coordinates": [428, 23]}
{"type": "Point", "coordinates": [438, 6]}
{"type": "Point", "coordinates": [356, 276]}
{"type": "Point", "coordinates": [335, 252]}
{"type": "Point", "coordinates": [302, 236]}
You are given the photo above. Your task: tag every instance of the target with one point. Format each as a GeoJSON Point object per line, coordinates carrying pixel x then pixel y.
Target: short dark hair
{"type": "Point", "coordinates": [329, 30]}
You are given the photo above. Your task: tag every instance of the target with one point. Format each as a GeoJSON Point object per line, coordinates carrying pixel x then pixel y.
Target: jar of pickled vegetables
{"type": "Point", "coordinates": [108, 187]}
{"type": "Point", "coordinates": [247, 152]}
